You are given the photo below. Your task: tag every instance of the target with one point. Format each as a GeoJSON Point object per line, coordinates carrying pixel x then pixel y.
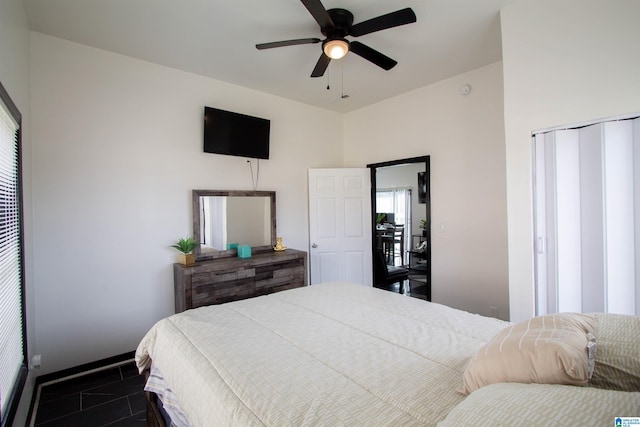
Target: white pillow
{"type": "Point", "coordinates": [551, 349]}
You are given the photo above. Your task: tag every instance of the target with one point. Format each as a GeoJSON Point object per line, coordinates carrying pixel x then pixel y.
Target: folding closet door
{"type": "Point", "coordinates": [587, 218]}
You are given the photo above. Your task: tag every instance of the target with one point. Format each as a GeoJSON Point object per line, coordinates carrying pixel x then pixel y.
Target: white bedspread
{"type": "Point", "coordinates": [331, 354]}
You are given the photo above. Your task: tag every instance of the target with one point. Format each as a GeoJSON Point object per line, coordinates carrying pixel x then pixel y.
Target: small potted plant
{"type": "Point", "coordinates": [423, 225]}
{"type": "Point", "coordinates": [186, 247]}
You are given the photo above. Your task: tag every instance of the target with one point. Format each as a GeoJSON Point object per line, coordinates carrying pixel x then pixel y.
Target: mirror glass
{"type": "Point", "coordinates": [222, 219]}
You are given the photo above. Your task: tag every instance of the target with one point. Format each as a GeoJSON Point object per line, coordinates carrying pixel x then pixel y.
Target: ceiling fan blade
{"type": "Point", "coordinates": [319, 13]}
{"type": "Point", "coordinates": [321, 66]}
{"type": "Point", "coordinates": [390, 20]}
{"type": "Point", "coordinates": [282, 43]}
{"type": "Point", "coordinates": [372, 55]}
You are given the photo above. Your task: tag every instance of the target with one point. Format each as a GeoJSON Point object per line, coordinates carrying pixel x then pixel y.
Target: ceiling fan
{"type": "Point", "coordinates": [335, 25]}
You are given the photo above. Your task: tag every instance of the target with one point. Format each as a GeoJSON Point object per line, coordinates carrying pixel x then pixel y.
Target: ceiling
{"type": "Point", "coordinates": [217, 38]}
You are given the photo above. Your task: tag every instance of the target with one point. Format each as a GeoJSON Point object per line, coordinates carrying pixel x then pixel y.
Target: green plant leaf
{"type": "Point", "coordinates": [186, 245]}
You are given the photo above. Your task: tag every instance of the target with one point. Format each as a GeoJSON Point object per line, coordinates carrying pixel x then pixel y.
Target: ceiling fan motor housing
{"type": "Point", "coordinates": [342, 20]}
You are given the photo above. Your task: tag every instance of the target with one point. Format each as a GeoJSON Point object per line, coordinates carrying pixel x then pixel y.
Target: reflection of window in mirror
{"type": "Point", "coordinates": [213, 225]}
{"type": "Point", "coordinates": [242, 220]}
{"type": "Point", "coordinates": [397, 195]}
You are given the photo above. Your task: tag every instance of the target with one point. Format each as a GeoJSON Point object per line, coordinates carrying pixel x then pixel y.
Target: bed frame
{"type": "Point", "coordinates": [154, 415]}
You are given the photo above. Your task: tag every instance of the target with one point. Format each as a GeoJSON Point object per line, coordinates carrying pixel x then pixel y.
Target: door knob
{"type": "Point", "coordinates": [314, 246]}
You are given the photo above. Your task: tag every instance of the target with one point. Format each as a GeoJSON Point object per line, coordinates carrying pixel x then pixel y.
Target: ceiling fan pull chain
{"type": "Point", "coordinates": [342, 79]}
{"type": "Point", "coordinates": [342, 96]}
{"type": "Point", "coordinates": [328, 79]}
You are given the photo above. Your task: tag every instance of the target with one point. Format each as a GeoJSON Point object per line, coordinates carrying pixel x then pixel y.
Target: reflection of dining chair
{"type": "Point", "coordinates": [386, 275]}
{"type": "Point", "coordinates": [384, 234]}
{"type": "Point", "coordinates": [387, 248]}
{"type": "Point", "coordinates": [398, 239]}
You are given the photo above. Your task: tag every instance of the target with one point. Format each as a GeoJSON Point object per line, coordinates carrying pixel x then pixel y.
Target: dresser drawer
{"type": "Point", "coordinates": [228, 279]}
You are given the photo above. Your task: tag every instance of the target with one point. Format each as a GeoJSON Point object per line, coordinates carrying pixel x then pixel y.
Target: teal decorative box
{"type": "Point", "coordinates": [232, 246]}
{"type": "Point", "coordinates": [244, 251]}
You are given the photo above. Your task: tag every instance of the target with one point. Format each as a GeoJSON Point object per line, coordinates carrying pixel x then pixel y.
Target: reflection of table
{"type": "Point", "coordinates": [417, 260]}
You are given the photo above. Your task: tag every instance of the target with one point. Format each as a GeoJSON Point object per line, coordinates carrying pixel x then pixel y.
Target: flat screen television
{"type": "Point", "coordinates": [235, 134]}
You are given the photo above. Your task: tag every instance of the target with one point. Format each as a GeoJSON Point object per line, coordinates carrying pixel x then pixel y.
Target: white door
{"type": "Point", "coordinates": [340, 225]}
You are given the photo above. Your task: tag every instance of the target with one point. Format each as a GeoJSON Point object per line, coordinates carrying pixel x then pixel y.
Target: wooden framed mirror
{"type": "Point", "coordinates": [222, 218]}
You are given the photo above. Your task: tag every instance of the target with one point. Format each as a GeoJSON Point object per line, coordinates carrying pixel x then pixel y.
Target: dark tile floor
{"type": "Point", "coordinates": [415, 286]}
{"type": "Point", "coordinates": [110, 397]}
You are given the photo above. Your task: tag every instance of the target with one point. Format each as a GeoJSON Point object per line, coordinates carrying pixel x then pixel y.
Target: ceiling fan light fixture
{"type": "Point", "coordinates": [336, 49]}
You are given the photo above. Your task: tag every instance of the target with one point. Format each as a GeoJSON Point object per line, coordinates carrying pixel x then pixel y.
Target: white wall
{"type": "Point", "coordinates": [464, 135]}
{"type": "Point", "coordinates": [565, 62]}
{"type": "Point", "coordinates": [117, 149]}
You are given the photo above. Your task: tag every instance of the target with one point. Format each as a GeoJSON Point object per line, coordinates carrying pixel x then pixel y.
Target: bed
{"type": "Point", "coordinates": [343, 354]}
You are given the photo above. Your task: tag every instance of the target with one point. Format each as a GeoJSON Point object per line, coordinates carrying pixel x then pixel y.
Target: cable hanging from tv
{"type": "Point", "coordinates": [254, 182]}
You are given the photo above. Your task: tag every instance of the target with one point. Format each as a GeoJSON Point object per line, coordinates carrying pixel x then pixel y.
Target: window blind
{"type": "Point", "coordinates": [12, 351]}
{"type": "Point", "coordinates": [396, 201]}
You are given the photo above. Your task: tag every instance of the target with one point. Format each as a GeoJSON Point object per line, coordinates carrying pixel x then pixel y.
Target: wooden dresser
{"type": "Point", "coordinates": [228, 279]}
